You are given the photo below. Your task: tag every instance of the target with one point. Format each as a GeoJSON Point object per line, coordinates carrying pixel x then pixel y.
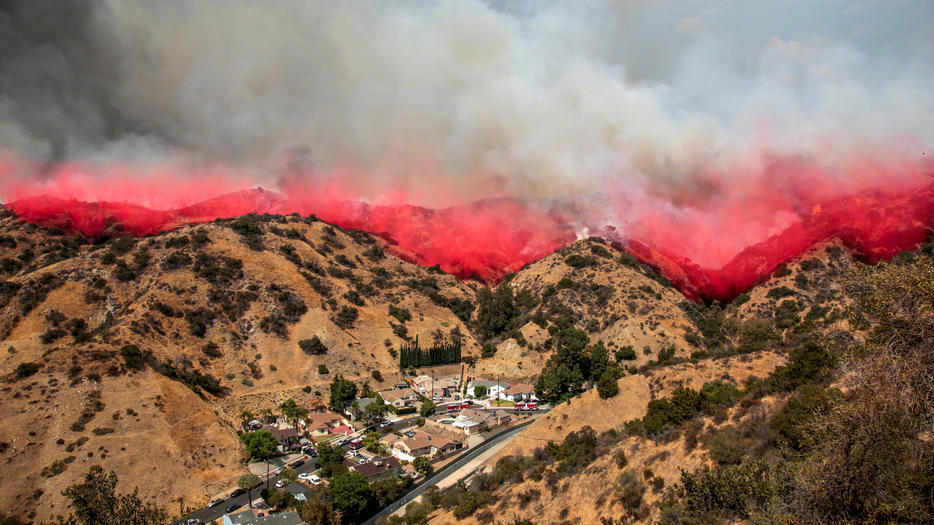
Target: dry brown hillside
{"type": "Point", "coordinates": [613, 298]}
{"type": "Point", "coordinates": [139, 354]}
{"type": "Point", "coordinates": [766, 343]}
{"type": "Point", "coordinates": [211, 326]}
{"type": "Point", "coordinates": [591, 496]}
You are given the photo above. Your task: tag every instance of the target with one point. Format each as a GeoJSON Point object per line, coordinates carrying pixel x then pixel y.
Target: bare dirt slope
{"type": "Point", "coordinates": [216, 325]}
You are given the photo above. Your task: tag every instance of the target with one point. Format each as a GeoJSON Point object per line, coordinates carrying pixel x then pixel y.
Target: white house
{"type": "Point", "coordinates": [494, 389]}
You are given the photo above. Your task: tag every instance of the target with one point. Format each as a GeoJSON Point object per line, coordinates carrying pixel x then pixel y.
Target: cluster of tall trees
{"type": "Point", "coordinates": [442, 352]}
{"type": "Point", "coordinates": [573, 363]}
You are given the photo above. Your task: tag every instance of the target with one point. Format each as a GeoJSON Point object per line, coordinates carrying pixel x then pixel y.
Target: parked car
{"type": "Point", "coordinates": [233, 507]}
{"type": "Point", "coordinates": [410, 433]}
{"type": "Point", "coordinates": [298, 463]}
{"type": "Point", "coordinates": [193, 521]}
{"type": "Point", "coordinates": [280, 483]}
{"type": "Point", "coordinates": [314, 480]}
{"type": "Point", "coordinates": [237, 492]}
{"type": "Point", "coordinates": [361, 460]}
{"type": "Point", "coordinates": [215, 502]}
{"type": "Point", "coordinates": [385, 424]}
{"type": "Point", "coordinates": [343, 442]}
{"type": "Point", "coordinates": [304, 476]}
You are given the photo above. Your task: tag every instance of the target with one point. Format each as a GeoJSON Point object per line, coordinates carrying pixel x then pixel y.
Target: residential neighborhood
{"type": "Point", "coordinates": [393, 437]}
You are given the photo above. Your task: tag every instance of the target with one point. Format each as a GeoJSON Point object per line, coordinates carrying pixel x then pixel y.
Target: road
{"type": "Point", "coordinates": [209, 514]}
{"type": "Point", "coordinates": [445, 472]}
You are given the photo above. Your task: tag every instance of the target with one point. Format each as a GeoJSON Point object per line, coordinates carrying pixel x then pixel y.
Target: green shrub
{"type": "Point", "coordinates": [313, 346]}
{"type": "Point", "coordinates": [607, 386]}
{"type": "Point", "coordinates": [726, 446]}
{"type": "Point", "coordinates": [132, 357]}
{"type": "Point", "coordinates": [625, 353]}
{"type": "Point", "coordinates": [578, 261]}
{"type": "Point", "coordinates": [24, 370]}
{"type": "Point", "coordinates": [346, 317]}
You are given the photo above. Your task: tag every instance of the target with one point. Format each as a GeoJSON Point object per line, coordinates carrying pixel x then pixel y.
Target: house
{"type": "Point", "coordinates": [285, 436]}
{"type": "Point", "coordinates": [446, 386]}
{"type": "Point", "coordinates": [494, 389]}
{"type": "Point", "coordinates": [249, 517]}
{"type": "Point", "coordinates": [378, 467]}
{"type": "Point", "coordinates": [399, 398]}
{"type": "Point", "coordinates": [519, 392]}
{"type": "Point", "coordinates": [420, 444]}
{"type": "Point", "coordinates": [473, 421]}
{"type": "Point", "coordinates": [322, 422]}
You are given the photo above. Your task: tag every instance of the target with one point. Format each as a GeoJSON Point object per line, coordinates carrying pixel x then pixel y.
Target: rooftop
{"type": "Point", "coordinates": [282, 518]}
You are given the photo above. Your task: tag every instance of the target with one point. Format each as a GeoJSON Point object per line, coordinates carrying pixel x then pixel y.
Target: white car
{"type": "Point", "coordinates": [314, 480]}
{"type": "Point", "coordinates": [304, 476]}
{"type": "Point", "coordinates": [280, 483]}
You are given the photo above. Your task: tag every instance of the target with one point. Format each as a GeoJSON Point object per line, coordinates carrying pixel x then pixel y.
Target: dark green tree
{"type": "Point", "coordinates": [342, 392]}
{"type": "Point", "coordinates": [260, 445]}
{"type": "Point", "coordinates": [428, 407]}
{"type": "Point", "coordinates": [292, 410]}
{"type": "Point", "coordinates": [95, 501]}
{"type": "Point", "coordinates": [248, 481]}
{"type": "Point", "coordinates": [496, 310]}
{"type": "Point", "coordinates": [328, 458]}
{"type": "Point", "coordinates": [352, 496]}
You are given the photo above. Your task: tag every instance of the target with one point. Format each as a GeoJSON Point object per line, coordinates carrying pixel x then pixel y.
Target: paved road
{"type": "Point", "coordinates": [445, 472]}
{"type": "Point", "coordinates": [209, 514]}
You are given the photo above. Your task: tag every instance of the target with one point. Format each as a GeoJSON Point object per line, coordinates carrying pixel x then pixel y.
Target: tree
{"type": "Point", "coordinates": [94, 501]}
{"type": "Point", "coordinates": [288, 474]}
{"type": "Point", "coordinates": [328, 458]}
{"type": "Point", "coordinates": [422, 465]}
{"type": "Point", "coordinates": [352, 496]}
{"type": "Point", "coordinates": [248, 481]}
{"type": "Point", "coordinates": [260, 445]}
{"type": "Point", "coordinates": [607, 386]}
{"type": "Point", "coordinates": [366, 390]}
{"type": "Point", "coordinates": [318, 509]}
{"type": "Point", "coordinates": [599, 361]}
{"type": "Point", "coordinates": [342, 391]}
{"type": "Point", "coordinates": [292, 410]}
{"type": "Point", "coordinates": [375, 411]}
{"type": "Point", "coordinates": [371, 442]}
{"type": "Point", "coordinates": [428, 407]}
{"type": "Point", "coordinates": [496, 310]}
{"type": "Point", "coordinates": [479, 391]}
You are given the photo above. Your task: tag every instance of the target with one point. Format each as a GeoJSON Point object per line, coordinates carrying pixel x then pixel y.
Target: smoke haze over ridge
{"type": "Point", "coordinates": [707, 126]}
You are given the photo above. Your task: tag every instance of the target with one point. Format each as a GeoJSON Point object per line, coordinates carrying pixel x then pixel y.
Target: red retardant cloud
{"type": "Point", "coordinates": [712, 244]}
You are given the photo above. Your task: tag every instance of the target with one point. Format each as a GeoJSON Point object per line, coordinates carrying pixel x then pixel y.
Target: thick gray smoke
{"type": "Point", "coordinates": [533, 99]}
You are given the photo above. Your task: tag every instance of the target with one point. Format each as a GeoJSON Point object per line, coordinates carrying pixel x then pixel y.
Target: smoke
{"type": "Point", "coordinates": [706, 126]}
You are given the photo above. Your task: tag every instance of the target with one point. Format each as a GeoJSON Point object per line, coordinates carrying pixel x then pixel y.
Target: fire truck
{"type": "Point", "coordinates": [457, 407]}
{"type": "Point", "coordinates": [527, 406]}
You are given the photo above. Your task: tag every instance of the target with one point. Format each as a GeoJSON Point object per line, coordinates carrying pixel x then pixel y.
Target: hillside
{"type": "Point", "coordinates": [821, 362]}
{"type": "Point", "coordinates": [139, 354]}
{"type": "Point", "coordinates": [212, 316]}
{"type": "Point", "coordinates": [122, 350]}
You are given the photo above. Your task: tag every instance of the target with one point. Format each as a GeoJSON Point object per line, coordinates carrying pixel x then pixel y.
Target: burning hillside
{"type": "Point", "coordinates": [478, 136]}
{"type": "Point", "coordinates": [487, 239]}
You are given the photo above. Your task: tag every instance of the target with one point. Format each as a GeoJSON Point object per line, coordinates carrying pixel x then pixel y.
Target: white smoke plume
{"type": "Point", "coordinates": [528, 99]}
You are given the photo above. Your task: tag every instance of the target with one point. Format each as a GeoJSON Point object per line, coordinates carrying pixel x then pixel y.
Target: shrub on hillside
{"type": "Point", "coordinates": [313, 346]}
